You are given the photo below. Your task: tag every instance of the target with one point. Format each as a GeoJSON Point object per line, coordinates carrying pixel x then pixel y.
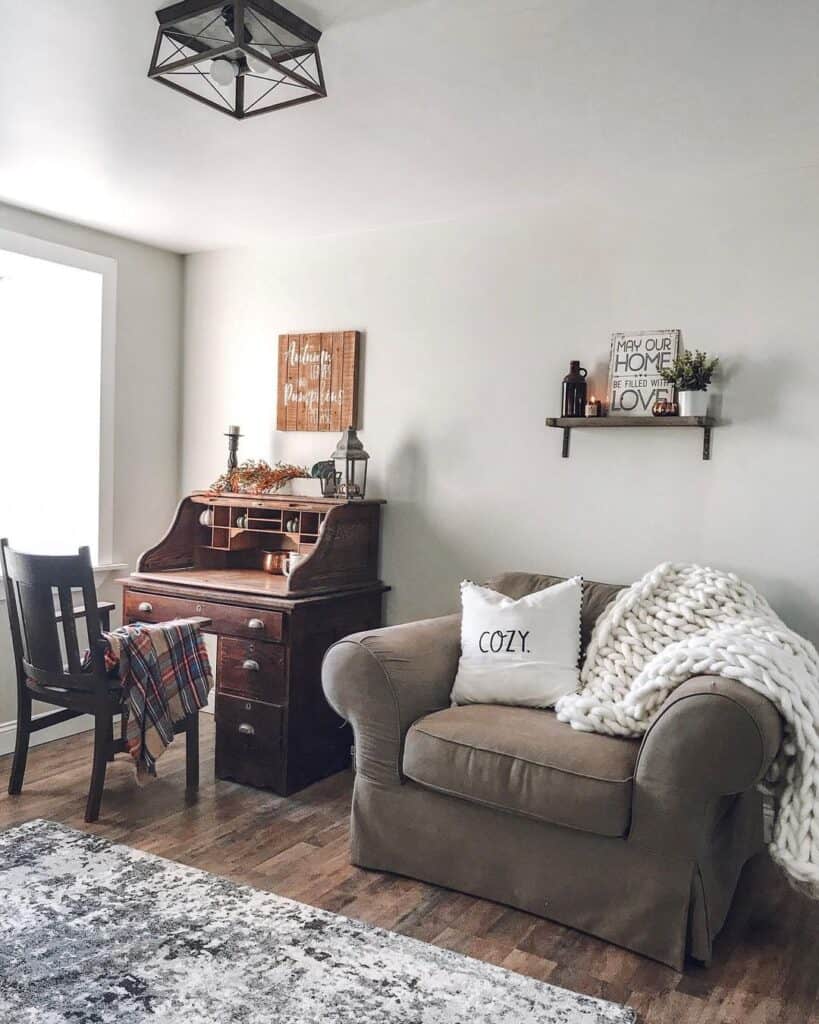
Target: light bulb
{"type": "Point", "coordinates": [223, 71]}
{"type": "Point", "coordinates": [258, 67]}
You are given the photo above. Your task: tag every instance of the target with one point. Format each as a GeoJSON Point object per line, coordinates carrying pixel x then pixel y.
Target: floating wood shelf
{"type": "Point", "coordinates": [569, 423]}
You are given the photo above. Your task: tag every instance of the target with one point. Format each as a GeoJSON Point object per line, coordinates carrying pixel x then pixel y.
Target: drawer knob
{"type": "Point", "coordinates": [146, 607]}
{"type": "Point", "coordinates": [250, 665]}
{"type": "Point", "coordinates": [255, 624]}
{"type": "Point", "coordinates": [246, 729]}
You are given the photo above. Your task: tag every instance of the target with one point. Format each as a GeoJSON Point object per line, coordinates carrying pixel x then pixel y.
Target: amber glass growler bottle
{"type": "Point", "coordinates": [574, 390]}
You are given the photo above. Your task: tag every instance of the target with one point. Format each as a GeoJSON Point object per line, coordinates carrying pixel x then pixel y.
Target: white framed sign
{"type": "Point", "coordinates": [637, 357]}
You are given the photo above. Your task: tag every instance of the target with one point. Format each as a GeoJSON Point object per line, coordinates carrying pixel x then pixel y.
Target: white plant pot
{"type": "Point", "coordinates": [693, 403]}
{"type": "Point", "coordinates": [303, 487]}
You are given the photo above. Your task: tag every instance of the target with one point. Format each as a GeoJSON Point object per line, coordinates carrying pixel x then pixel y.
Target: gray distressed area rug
{"type": "Point", "coordinates": [92, 933]}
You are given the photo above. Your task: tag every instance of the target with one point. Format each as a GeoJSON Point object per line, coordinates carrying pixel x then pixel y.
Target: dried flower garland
{"type": "Point", "coordinates": [258, 477]}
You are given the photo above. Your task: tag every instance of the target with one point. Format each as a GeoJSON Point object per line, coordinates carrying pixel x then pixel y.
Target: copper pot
{"type": "Point", "coordinates": [273, 562]}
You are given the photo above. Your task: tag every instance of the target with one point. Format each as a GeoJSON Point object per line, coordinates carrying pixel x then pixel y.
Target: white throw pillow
{"type": "Point", "coordinates": [521, 652]}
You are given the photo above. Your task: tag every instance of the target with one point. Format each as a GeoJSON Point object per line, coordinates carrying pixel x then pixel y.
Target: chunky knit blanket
{"type": "Point", "coordinates": [680, 621]}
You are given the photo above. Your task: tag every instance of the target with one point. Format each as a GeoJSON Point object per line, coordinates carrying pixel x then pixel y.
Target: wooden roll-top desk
{"type": "Point", "coordinates": [223, 559]}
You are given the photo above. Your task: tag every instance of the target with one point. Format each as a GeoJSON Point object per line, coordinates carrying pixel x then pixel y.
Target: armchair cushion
{"type": "Point", "coordinates": [596, 596]}
{"type": "Point", "coordinates": [522, 760]}
{"type": "Point", "coordinates": [520, 652]}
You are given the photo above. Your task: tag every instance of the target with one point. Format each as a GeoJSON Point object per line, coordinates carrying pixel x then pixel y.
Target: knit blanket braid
{"type": "Point", "coordinates": [680, 621]}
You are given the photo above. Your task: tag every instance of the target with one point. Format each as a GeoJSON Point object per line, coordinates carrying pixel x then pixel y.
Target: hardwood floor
{"type": "Point", "coordinates": [765, 969]}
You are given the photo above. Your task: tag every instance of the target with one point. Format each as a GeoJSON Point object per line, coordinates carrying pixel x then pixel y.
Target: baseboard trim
{"type": "Point", "coordinates": [57, 732]}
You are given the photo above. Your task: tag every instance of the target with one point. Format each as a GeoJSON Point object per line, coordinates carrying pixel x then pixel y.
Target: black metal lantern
{"type": "Point", "coordinates": [351, 465]}
{"type": "Point", "coordinates": [243, 57]}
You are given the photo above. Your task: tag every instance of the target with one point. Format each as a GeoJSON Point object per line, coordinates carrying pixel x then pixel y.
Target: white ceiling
{"type": "Point", "coordinates": [436, 108]}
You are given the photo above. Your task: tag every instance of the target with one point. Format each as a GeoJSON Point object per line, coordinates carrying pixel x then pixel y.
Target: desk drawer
{"type": "Point", "coordinates": [250, 622]}
{"type": "Point", "coordinates": [249, 742]}
{"type": "Point", "coordinates": [249, 668]}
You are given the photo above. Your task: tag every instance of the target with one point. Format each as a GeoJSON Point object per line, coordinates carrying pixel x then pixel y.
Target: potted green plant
{"type": "Point", "coordinates": [691, 373]}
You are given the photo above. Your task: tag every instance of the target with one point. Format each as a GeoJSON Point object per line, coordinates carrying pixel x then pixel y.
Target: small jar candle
{"type": "Point", "coordinates": [593, 407]}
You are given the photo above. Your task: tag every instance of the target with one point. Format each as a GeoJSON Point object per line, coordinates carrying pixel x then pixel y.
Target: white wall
{"type": "Point", "coordinates": [469, 329]}
{"type": "Point", "coordinates": [146, 431]}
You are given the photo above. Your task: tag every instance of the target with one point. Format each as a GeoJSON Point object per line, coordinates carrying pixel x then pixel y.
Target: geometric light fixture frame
{"type": "Point", "coordinates": [274, 51]}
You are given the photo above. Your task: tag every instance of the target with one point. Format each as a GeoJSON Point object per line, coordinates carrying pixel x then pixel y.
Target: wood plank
{"type": "Point", "coordinates": [349, 381]}
{"type": "Point", "coordinates": [281, 406]}
{"type": "Point", "coordinates": [326, 384]}
{"type": "Point", "coordinates": [292, 381]}
{"type": "Point", "coordinates": [311, 379]}
{"type": "Point", "coordinates": [336, 416]}
{"type": "Point", "coordinates": [302, 383]}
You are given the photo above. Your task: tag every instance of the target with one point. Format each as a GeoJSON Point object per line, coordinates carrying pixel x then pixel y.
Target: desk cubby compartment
{"type": "Point", "coordinates": [223, 516]}
{"type": "Point", "coordinates": [221, 538]}
{"type": "Point", "coordinates": [263, 520]}
{"type": "Point", "coordinates": [309, 525]}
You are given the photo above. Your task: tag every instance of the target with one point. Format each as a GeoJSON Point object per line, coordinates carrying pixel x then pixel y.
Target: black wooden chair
{"type": "Point", "coordinates": [33, 584]}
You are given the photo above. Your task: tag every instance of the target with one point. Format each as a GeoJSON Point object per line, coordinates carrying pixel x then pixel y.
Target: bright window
{"type": "Point", "coordinates": [55, 406]}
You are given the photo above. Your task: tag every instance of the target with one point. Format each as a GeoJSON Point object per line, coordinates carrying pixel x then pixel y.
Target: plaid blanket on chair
{"type": "Point", "coordinates": [165, 675]}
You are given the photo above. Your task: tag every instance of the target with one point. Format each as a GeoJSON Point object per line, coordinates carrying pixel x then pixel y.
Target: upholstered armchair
{"type": "Point", "coordinates": [640, 842]}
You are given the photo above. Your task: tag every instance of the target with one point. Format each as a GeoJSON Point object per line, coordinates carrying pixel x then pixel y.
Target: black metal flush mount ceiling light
{"type": "Point", "coordinates": [245, 57]}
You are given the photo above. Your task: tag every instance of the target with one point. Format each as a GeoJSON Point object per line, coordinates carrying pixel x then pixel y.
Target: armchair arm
{"type": "Point", "coordinates": [713, 737]}
{"type": "Point", "coordinates": [384, 680]}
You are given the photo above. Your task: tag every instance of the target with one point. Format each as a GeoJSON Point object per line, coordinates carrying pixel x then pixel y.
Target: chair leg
{"type": "Point", "coordinates": [102, 748]}
{"type": "Point", "coordinates": [18, 767]}
{"type": "Point", "coordinates": [110, 738]}
{"type": "Point", "coordinates": [192, 753]}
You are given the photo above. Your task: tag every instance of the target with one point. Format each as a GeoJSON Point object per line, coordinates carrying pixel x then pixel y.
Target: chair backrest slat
{"type": "Point", "coordinates": [93, 625]}
{"type": "Point", "coordinates": [41, 638]}
{"type": "Point", "coordinates": [33, 583]}
{"type": "Point", "coordinates": [72, 644]}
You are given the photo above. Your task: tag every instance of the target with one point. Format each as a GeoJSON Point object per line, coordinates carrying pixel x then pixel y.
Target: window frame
{"type": "Point", "coordinates": [106, 267]}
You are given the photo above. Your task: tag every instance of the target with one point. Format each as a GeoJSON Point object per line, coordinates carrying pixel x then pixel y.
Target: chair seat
{"type": "Point", "coordinates": [526, 762]}
{"type": "Point", "coordinates": [73, 697]}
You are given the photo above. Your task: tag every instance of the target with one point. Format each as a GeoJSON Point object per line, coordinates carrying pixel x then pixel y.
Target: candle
{"type": "Point", "coordinates": [233, 431]}
{"type": "Point", "coordinates": [592, 407]}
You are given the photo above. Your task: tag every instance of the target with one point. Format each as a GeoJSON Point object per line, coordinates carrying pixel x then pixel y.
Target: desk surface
{"type": "Point", "coordinates": [238, 581]}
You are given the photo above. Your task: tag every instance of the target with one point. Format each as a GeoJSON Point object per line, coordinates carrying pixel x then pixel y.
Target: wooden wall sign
{"type": "Point", "coordinates": [637, 357]}
{"type": "Point", "coordinates": [318, 381]}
